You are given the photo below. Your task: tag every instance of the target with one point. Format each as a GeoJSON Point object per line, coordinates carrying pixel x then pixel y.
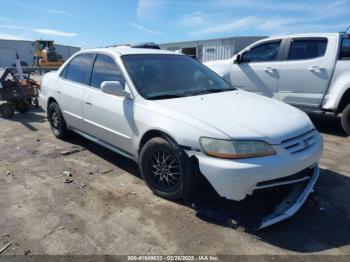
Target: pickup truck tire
{"type": "Point", "coordinates": [345, 119]}
{"type": "Point", "coordinates": [57, 123]}
{"type": "Point", "coordinates": [163, 169]}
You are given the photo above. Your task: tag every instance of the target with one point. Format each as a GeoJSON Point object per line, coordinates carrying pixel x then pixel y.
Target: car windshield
{"type": "Point", "coordinates": [158, 76]}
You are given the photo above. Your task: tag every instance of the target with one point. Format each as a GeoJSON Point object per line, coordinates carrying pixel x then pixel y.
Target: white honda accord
{"type": "Point", "coordinates": [179, 120]}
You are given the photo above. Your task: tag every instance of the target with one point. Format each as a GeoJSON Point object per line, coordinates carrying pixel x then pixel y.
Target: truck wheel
{"type": "Point", "coordinates": [345, 119]}
{"type": "Point", "coordinates": [6, 110]}
{"type": "Point", "coordinates": [57, 123]}
{"type": "Point", "coordinates": [22, 107]}
{"type": "Point", "coordinates": [162, 168]}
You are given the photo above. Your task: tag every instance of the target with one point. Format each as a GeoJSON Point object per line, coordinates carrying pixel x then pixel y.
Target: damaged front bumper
{"type": "Point", "coordinates": [293, 202]}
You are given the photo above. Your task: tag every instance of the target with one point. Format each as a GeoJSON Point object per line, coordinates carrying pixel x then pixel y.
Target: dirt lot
{"type": "Point", "coordinates": [109, 210]}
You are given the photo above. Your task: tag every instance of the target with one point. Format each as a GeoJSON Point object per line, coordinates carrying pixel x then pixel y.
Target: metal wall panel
{"type": "Point", "coordinates": [7, 57]}
{"type": "Point", "coordinates": [26, 50]}
{"type": "Point", "coordinates": [214, 49]}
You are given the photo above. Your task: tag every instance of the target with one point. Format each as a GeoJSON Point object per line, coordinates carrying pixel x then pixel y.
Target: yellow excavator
{"type": "Point", "coordinates": [46, 55]}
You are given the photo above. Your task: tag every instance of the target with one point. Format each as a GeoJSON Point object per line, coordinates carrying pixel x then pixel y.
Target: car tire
{"type": "Point", "coordinates": [345, 119]}
{"type": "Point", "coordinates": [57, 123]}
{"type": "Point", "coordinates": [22, 107]}
{"type": "Point", "coordinates": [6, 110]}
{"type": "Point", "coordinates": [163, 168]}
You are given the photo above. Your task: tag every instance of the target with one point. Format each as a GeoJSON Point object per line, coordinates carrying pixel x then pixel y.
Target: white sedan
{"type": "Point", "coordinates": [179, 120]}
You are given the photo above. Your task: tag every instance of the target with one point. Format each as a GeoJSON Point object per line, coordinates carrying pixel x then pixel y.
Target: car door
{"type": "Point", "coordinates": [306, 73]}
{"type": "Point", "coordinates": [258, 68]}
{"type": "Point", "coordinates": [71, 85]}
{"type": "Point", "coordinates": [107, 117]}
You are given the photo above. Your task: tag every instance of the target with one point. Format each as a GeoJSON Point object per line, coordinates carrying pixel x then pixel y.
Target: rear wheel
{"type": "Point", "coordinates": [345, 119]}
{"type": "Point", "coordinates": [6, 110]}
{"type": "Point", "coordinates": [57, 123]}
{"type": "Point", "coordinates": [162, 168]}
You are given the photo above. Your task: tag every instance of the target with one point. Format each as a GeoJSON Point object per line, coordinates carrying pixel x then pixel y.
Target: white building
{"type": "Point", "coordinates": [212, 49]}
{"type": "Point", "coordinates": [26, 50]}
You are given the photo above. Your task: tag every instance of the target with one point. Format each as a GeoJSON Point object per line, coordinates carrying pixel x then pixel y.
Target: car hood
{"type": "Point", "coordinates": [243, 115]}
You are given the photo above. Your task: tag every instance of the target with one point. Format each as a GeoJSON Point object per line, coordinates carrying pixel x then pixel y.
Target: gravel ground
{"type": "Point", "coordinates": [108, 209]}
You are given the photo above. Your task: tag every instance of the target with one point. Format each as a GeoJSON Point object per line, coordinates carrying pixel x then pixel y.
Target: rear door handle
{"type": "Point", "coordinates": [58, 92]}
{"type": "Point", "coordinates": [269, 69]}
{"type": "Point", "coordinates": [315, 68]}
{"type": "Point", "coordinates": [88, 103]}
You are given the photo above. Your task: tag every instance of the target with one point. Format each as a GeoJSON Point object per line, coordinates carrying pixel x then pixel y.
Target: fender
{"type": "Point", "coordinates": [336, 92]}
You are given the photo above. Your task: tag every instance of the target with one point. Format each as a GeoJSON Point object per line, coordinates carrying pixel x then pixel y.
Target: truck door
{"type": "Point", "coordinates": [258, 69]}
{"type": "Point", "coordinates": [306, 72]}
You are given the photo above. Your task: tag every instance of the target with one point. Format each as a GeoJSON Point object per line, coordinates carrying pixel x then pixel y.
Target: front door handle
{"type": "Point", "coordinates": [58, 92]}
{"type": "Point", "coordinates": [88, 103]}
{"type": "Point", "coordinates": [269, 69]}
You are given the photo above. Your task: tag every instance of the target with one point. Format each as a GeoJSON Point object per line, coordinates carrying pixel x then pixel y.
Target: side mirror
{"type": "Point", "coordinates": [238, 59]}
{"type": "Point", "coordinates": [112, 88]}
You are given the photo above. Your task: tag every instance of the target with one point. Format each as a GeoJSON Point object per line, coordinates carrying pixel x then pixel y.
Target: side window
{"type": "Point", "coordinates": [307, 49]}
{"type": "Point", "coordinates": [105, 69]}
{"type": "Point", "coordinates": [345, 50]}
{"type": "Point", "coordinates": [79, 67]}
{"type": "Point", "coordinates": [262, 53]}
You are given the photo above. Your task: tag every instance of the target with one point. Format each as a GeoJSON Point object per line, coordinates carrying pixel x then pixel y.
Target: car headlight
{"type": "Point", "coordinates": [234, 149]}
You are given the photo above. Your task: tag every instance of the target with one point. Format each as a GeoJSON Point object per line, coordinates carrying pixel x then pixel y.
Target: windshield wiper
{"type": "Point", "coordinates": [165, 96]}
{"type": "Point", "coordinates": [209, 91]}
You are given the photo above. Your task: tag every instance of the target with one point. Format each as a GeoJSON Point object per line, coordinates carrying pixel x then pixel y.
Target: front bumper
{"type": "Point", "coordinates": [292, 203]}
{"type": "Point", "coordinates": [235, 179]}
{"type": "Point", "coordinates": [292, 167]}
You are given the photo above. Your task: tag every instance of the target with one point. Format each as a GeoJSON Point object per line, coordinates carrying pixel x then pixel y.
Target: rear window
{"type": "Point", "coordinates": [307, 49]}
{"type": "Point", "coordinates": [79, 67]}
{"type": "Point", "coordinates": [345, 50]}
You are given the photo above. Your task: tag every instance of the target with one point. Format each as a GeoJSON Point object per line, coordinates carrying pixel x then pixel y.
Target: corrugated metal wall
{"type": "Point", "coordinates": [26, 49]}
{"type": "Point", "coordinates": [215, 49]}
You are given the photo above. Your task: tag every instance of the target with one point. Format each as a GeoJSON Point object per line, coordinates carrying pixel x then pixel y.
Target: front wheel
{"type": "Point", "coordinates": [345, 119]}
{"type": "Point", "coordinates": [57, 123]}
{"type": "Point", "coordinates": [162, 168]}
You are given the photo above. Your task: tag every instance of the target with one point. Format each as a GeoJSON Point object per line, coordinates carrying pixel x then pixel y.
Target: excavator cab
{"type": "Point", "coordinates": [46, 55]}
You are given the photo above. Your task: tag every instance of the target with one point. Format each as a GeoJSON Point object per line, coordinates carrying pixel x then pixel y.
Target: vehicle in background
{"type": "Point", "coordinates": [179, 121]}
{"type": "Point", "coordinates": [46, 55]}
{"type": "Point", "coordinates": [17, 93]}
{"type": "Point", "coordinates": [310, 71]}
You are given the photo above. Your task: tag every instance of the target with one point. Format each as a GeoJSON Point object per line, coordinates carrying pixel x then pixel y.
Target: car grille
{"type": "Point", "coordinates": [296, 178]}
{"type": "Point", "coordinates": [300, 143]}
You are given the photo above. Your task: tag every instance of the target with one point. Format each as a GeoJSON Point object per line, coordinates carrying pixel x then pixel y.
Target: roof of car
{"type": "Point", "coordinates": [125, 50]}
{"type": "Point", "coordinates": [303, 35]}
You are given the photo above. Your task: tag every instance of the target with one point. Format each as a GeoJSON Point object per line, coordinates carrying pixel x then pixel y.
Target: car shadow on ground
{"type": "Point", "coordinates": [116, 159]}
{"type": "Point", "coordinates": [34, 115]}
{"type": "Point", "coordinates": [322, 223]}
{"type": "Point", "coordinates": [328, 124]}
